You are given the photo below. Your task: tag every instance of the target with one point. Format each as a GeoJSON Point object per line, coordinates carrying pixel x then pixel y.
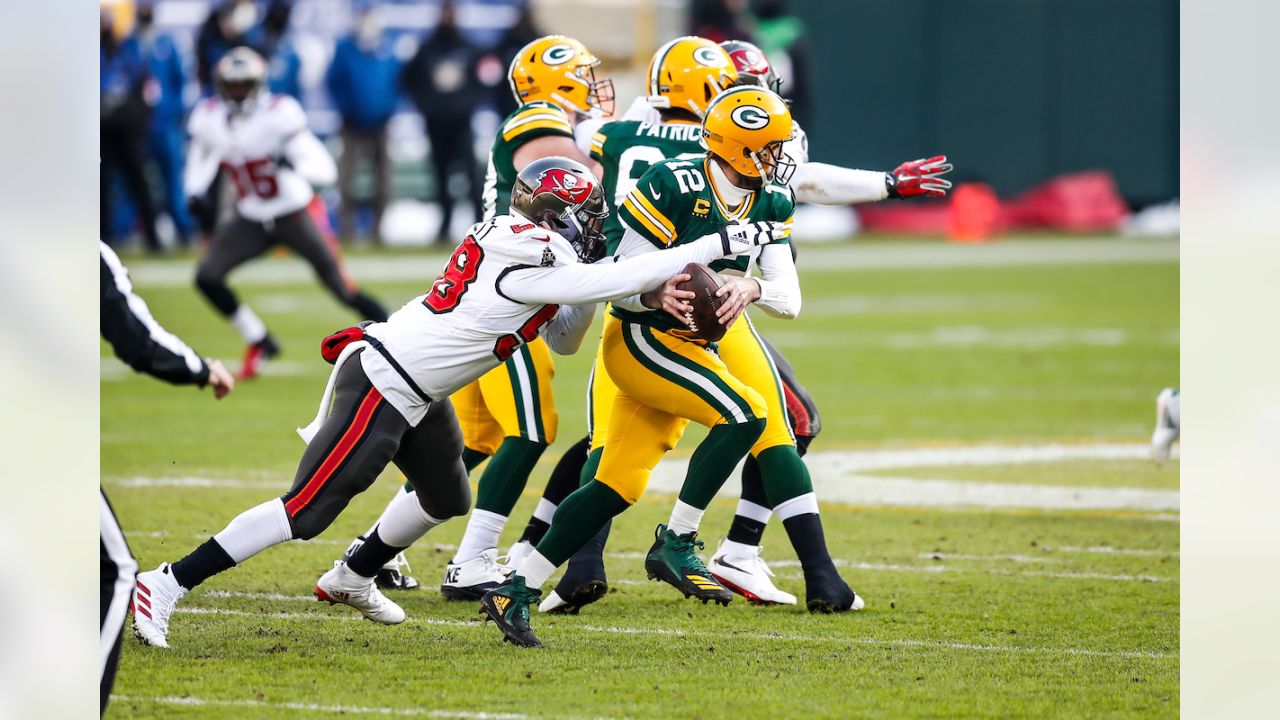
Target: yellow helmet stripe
{"type": "Point", "coordinates": [655, 213]}
{"type": "Point", "coordinates": [649, 223]}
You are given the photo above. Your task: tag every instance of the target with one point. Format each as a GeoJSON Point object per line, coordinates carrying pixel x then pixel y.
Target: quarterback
{"type": "Point", "coordinates": [387, 399]}
{"type": "Point", "coordinates": [261, 142]}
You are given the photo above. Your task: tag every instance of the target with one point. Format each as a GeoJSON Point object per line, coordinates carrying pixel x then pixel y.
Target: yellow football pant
{"type": "Point", "coordinates": [511, 400]}
{"type": "Point", "coordinates": [662, 383]}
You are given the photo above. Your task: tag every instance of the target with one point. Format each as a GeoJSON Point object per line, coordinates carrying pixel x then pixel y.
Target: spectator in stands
{"type": "Point", "coordinates": [229, 25]}
{"type": "Point", "coordinates": [784, 39]}
{"type": "Point", "coordinates": [720, 20]}
{"type": "Point", "coordinates": [517, 36]}
{"type": "Point", "coordinates": [284, 65]}
{"type": "Point", "coordinates": [167, 138]}
{"type": "Point", "coordinates": [441, 81]}
{"type": "Point", "coordinates": [364, 81]}
{"type": "Point", "coordinates": [123, 78]}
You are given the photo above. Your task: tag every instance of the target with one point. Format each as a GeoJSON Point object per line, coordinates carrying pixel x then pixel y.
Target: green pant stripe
{"type": "Point", "coordinates": [730, 394]}
{"type": "Point", "coordinates": [517, 391]}
{"type": "Point", "coordinates": [694, 378]}
{"type": "Point", "coordinates": [534, 393]}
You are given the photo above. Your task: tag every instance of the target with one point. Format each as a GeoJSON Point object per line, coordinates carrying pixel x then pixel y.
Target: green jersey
{"type": "Point", "coordinates": [675, 202]}
{"type": "Point", "coordinates": [625, 149]}
{"type": "Point", "coordinates": [531, 120]}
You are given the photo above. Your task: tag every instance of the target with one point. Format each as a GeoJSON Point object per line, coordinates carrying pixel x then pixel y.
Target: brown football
{"type": "Point", "coordinates": [703, 282]}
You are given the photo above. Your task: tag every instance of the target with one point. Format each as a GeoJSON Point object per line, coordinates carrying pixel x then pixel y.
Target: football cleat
{"type": "Point", "coordinates": [672, 560]}
{"type": "Point", "coordinates": [827, 592]}
{"type": "Point", "coordinates": [1168, 424]}
{"type": "Point", "coordinates": [389, 576]}
{"type": "Point", "coordinates": [748, 575]}
{"type": "Point", "coordinates": [256, 356]}
{"type": "Point", "coordinates": [156, 595]}
{"type": "Point", "coordinates": [508, 606]}
{"type": "Point", "coordinates": [340, 585]}
{"type": "Point", "coordinates": [583, 582]}
{"type": "Point", "coordinates": [470, 580]}
{"type": "Point", "coordinates": [517, 554]}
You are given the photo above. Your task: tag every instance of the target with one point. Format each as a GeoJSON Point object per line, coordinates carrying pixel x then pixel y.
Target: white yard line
{"type": "Point", "coordinates": [1108, 550]}
{"type": "Point", "coordinates": [673, 632]}
{"type": "Point", "coordinates": [847, 257]}
{"type": "Point", "coordinates": [312, 707]}
{"type": "Point", "coordinates": [847, 476]}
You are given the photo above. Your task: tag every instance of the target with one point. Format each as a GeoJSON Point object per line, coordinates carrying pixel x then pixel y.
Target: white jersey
{"type": "Point", "coordinates": [500, 289]}
{"type": "Point", "coordinates": [250, 148]}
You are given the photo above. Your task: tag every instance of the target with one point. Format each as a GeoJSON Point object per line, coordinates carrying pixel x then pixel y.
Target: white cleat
{"type": "Point", "coordinates": [1168, 424]}
{"type": "Point", "coordinates": [154, 599]}
{"type": "Point", "coordinates": [741, 569]}
{"type": "Point", "coordinates": [470, 580]}
{"type": "Point", "coordinates": [517, 554]}
{"type": "Point", "coordinates": [553, 602]}
{"type": "Point", "coordinates": [340, 585]}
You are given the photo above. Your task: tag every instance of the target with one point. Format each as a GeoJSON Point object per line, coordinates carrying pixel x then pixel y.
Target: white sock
{"type": "Point", "coordinates": [404, 521]}
{"type": "Point", "coordinates": [799, 505]}
{"type": "Point", "coordinates": [255, 530]}
{"type": "Point", "coordinates": [685, 518]}
{"type": "Point", "coordinates": [536, 569]}
{"type": "Point", "coordinates": [250, 327]}
{"type": "Point", "coordinates": [399, 491]}
{"type": "Point", "coordinates": [483, 530]}
{"type": "Point", "coordinates": [545, 510]}
{"type": "Point", "coordinates": [737, 549]}
{"type": "Point", "coordinates": [752, 511]}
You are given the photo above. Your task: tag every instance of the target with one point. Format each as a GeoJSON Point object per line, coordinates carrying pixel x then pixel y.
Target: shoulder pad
{"type": "Point", "coordinates": [534, 116]}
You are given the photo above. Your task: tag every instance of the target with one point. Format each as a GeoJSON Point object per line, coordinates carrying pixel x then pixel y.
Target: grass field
{"type": "Point", "coordinates": [999, 583]}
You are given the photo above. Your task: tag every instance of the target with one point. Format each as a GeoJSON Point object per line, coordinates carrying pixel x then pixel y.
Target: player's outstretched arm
{"type": "Point", "coordinates": [564, 334]}
{"type": "Point", "coordinates": [823, 184]}
{"type": "Point", "coordinates": [309, 157]}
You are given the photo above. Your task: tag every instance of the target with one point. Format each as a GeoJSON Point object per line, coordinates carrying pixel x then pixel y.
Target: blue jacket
{"type": "Point", "coordinates": [122, 73]}
{"type": "Point", "coordinates": [165, 62]}
{"type": "Point", "coordinates": [284, 70]}
{"type": "Point", "coordinates": [365, 86]}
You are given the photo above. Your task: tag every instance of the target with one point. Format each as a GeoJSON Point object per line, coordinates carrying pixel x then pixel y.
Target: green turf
{"type": "Point", "coordinates": [971, 613]}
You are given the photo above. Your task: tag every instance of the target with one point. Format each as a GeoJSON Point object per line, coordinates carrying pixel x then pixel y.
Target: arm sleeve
{"type": "Point", "coordinates": [609, 279]}
{"type": "Point", "coordinates": [136, 337]}
{"type": "Point", "coordinates": [202, 163]}
{"type": "Point", "coordinates": [585, 134]}
{"type": "Point", "coordinates": [631, 245]}
{"type": "Point", "coordinates": [564, 334]}
{"type": "Point", "coordinates": [779, 284]}
{"type": "Point", "coordinates": [824, 184]}
{"type": "Point", "coordinates": [311, 159]}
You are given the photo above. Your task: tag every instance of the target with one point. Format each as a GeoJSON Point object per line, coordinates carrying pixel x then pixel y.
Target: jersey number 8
{"type": "Point", "coordinates": [447, 291]}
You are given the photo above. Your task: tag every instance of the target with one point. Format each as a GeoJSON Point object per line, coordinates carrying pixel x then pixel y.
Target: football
{"type": "Point", "coordinates": [703, 282]}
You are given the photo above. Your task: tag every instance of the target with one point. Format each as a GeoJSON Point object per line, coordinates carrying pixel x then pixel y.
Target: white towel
{"type": "Point", "coordinates": [309, 432]}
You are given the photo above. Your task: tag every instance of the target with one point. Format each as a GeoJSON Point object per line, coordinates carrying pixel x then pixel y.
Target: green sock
{"type": "Point", "coordinates": [505, 476]}
{"type": "Point", "coordinates": [472, 458]}
{"type": "Point", "coordinates": [578, 519]}
{"type": "Point", "coordinates": [715, 458]}
{"type": "Point", "coordinates": [784, 474]}
{"type": "Point", "coordinates": [591, 466]}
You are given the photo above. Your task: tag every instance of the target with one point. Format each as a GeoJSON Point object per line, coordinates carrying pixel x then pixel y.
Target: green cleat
{"type": "Point", "coordinates": [508, 606]}
{"type": "Point", "coordinates": [672, 560]}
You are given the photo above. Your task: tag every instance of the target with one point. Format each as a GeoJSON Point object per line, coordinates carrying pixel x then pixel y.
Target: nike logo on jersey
{"type": "Point", "coordinates": [656, 195]}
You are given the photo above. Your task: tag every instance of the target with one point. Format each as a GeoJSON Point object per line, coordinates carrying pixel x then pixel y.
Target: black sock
{"type": "Point", "coordinates": [372, 555]}
{"type": "Point", "coordinates": [743, 529]}
{"type": "Point", "coordinates": [563, 481]}
{"type": "Point", "coordinates": [203, 563]}
{"type": "Point", "coordinates": [366, 307]}
{"type": "Point", "coordinates": [809, 542]}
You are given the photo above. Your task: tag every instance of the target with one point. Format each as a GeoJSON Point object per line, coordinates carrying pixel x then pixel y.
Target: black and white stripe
{"type": "Point", "coordinates": [116, 590]}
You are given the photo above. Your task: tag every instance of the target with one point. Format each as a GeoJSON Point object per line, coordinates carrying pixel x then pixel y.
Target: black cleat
{"type": "Point", "coordinates": [672, 560]}
{"type": "Point", "coordinates": [827, 592]}
{"type": "Point", "coordinates": [508, 606]}
{"type": "Point", "coordinates": [584, 580]}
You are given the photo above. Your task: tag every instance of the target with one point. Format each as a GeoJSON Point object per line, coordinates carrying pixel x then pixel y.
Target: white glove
{"type": "Point", "coordinates": [736, 239]}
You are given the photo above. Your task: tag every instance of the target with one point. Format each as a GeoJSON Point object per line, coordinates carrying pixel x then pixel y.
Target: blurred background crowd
{"type": "Point", "coordinates": [1058, 114]}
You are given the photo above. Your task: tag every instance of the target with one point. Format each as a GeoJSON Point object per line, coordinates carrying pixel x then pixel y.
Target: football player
{"type": "Point", "coordinates": [261, 142]}
{"type": "Point", "coordinates": [388, 395]}
{"type": "Point", "coordinates": [665, 376]}
{"type": "Point", "coordinates": [508, 416]}
{"type": "Point", "coordinates": [1168, 424]}
{"type": "Point", "coordinates": [683, 76]}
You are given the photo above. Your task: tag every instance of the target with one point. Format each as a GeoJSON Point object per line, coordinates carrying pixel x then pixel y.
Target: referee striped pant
{"type": "Point", "coordinates": [116, 592]}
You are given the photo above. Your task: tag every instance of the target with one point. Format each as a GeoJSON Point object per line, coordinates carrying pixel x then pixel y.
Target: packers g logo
{"type": "Point", "coordinates": [708, 57]}
{"type": "Point", "coordinates": [557, 54]}
{"type": "Point", "coordinates": [750, 117]}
